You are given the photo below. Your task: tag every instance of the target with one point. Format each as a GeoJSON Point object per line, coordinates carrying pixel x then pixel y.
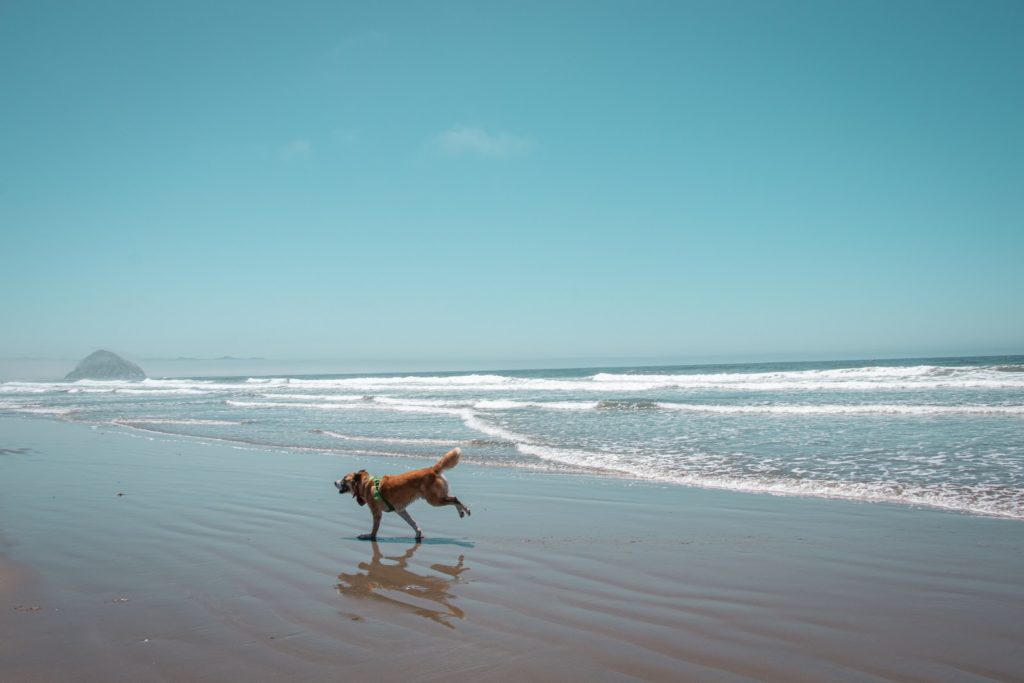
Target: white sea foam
{"type": "Point", "coordinates": [29, 388]}
{"type": "Point", "coordinates": [470, 418]}
{"type": "Point", "coordinates": [421, 402]}
{"type": "Point", "coordinates": [92, 386]}
{"type": "Point", "coordinates": [338, 398]}
{"type": "Point", "coordinates": [865, 409]}
{"type": "Point", "coordinates": [270, 381]}
{"type": "Point", "coordinates": [183, 391]}
{"type": "Point", "coordinates": [359, 405]}
{"type": "Point", "coordinates": [476, 423]}
{"type": "Point", "coordinates": [408, 402]}
{"type": "Point", "coordinates": [472, 380]}
{"type": "Point", "coordinates": [872, 378]}
{"type": "Point", "coordinates": [978, 499]}
{"type": "Point", "coordinates": [384, 439]}
{"type": "Point", "coordinates": [457, 408]}
{"type": "Point", "coordinates": [163, 421]}
{"type": "Point", "coordinates": [38, 410]}
{"type": "Point", "coordinates": [877, 378]}
{"type": "Point", "coordinates": [452, 407]}
{"type": "Point", "coordinates": [981, 500]}
{"type": "Point", "coordinates": [458, 383]}
{"type": "Point", "coordinates": [143, 383]}
{"type": "Point", "coordinates": [288, 404]}
{"type": "Point", "coordinates": [505, 404]}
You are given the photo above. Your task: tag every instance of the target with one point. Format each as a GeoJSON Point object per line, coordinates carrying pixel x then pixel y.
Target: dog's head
{"type": "Point", "coordinates": [353, 482]}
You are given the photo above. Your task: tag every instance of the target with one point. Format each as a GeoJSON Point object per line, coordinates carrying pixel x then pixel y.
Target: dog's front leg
{"type": "Point", "coordinates": [411, 522]}
{"type": "Point", "coordinates": [372, 536]}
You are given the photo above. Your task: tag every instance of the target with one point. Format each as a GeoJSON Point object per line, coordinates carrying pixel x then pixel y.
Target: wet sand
{"type": "Point", "coordinates": [220, 563]}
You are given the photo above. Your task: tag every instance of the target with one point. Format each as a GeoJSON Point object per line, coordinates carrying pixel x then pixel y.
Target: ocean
{"type": "Point", "coordinates": [946, 433]}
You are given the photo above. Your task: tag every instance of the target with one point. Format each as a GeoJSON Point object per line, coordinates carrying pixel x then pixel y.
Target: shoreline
{"type": "Point", "coordinates": [220, 561]}
{"type": "Point", "coordinates": [817, 490]}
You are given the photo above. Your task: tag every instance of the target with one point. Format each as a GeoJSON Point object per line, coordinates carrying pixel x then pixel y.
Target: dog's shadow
{"type": "Point", "coordinates": [389, 580]}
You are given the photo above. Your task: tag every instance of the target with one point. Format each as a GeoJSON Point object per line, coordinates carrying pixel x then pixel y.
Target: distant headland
{"type": "Point", "coordinates": [105, 365]}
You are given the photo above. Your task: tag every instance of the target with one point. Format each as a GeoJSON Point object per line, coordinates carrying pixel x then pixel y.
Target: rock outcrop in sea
{"type": "Point", "coordinates": [105, 365]}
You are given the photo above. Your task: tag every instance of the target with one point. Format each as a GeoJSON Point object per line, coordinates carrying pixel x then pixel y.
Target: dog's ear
{"type": "Point", "coordinates": [357, 480]}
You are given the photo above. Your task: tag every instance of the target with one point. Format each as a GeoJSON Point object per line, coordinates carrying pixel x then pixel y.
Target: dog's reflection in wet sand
{"type": "Point", "coordinates": [389, 579]}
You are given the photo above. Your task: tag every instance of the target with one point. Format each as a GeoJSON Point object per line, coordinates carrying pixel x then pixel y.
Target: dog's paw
{"type": "Point", "coordinates": [367, 537]}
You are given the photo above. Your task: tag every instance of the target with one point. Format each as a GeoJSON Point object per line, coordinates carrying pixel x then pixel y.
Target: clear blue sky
{"type": "Point", "coordinates": [452, 180]}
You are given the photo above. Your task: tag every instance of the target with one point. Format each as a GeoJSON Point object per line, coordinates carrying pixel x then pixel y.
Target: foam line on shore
{"type": "Point", "coordinates": [980, 499]}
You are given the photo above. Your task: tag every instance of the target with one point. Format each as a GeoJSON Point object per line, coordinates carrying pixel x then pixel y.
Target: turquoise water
{"type": "Point", "coordinates": [939, 432]}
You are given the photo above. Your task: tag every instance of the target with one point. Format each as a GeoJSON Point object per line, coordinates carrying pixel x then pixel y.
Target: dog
{"type": "Point", "coordinates": [395, 492]}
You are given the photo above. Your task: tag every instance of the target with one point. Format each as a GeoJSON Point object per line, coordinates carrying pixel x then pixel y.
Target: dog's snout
{"type": "Point", "coordinates": [341, 485]}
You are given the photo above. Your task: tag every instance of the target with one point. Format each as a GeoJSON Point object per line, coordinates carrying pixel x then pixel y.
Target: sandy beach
{"type": "Point", "coordinates": [132, 557]}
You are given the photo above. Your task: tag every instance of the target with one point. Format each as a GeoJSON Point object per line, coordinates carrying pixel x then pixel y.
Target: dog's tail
{"type": "Point", "coordinates": [447, 461]}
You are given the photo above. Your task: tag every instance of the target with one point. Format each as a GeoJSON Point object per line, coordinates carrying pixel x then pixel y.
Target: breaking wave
{"type": "Point", "coordinates": [445, 407]}
{"type": "Point", "coordinates": [385, 439]}
{"type": "Point", "coordinates": [872, 378]}
{"type": "Point", "coordinates": [866, 409]}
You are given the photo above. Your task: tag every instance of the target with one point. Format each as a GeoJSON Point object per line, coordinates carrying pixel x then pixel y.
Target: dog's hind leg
{"type": "Point", "coordinates": [441, 501]}
{"type": "Point", "coordinates": [438, 496]}
{"type": "Point", "coordinates": [463, 510]}
{"type": "Point", "coordinates": [411, 522]}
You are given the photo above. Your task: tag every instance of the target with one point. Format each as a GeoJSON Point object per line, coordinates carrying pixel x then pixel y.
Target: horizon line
{"type": "Point", "coordinates": [552, 363]}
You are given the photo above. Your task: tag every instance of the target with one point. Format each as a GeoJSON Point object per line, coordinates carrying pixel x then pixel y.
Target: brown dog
{"type": "Point", "coordinates": [395, 492]}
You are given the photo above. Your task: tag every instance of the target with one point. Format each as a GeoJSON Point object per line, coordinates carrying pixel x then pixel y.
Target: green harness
{"type": "Point", "coordinates": [377, 495]}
